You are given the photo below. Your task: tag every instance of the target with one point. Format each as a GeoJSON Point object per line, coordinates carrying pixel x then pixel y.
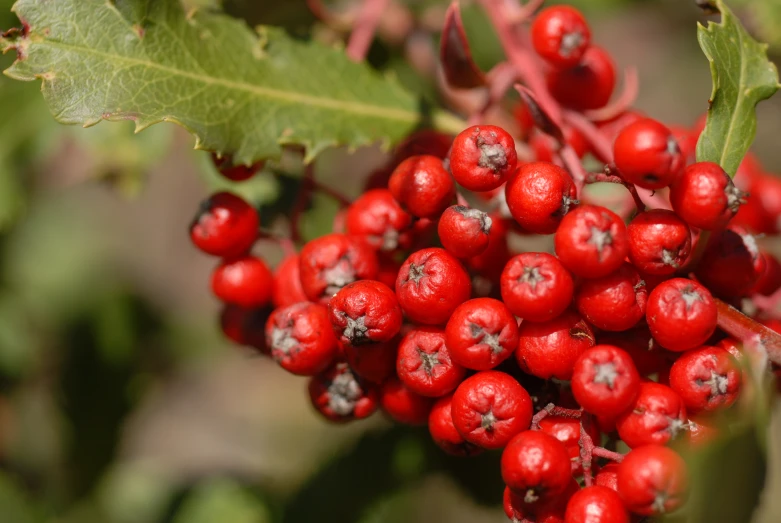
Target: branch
{"type": "Point", "coordinates": [365, 27]}
{"type": "Point", "coordinates": [748, 331]}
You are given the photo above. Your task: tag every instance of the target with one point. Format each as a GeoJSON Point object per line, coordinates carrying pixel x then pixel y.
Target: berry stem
{"type": "Point", "coordinates": [611, 178]}
{"type": "Point", "coordinates": [602, 452]}
{"type": "Point", "coordinates": [571, 161]}
{"type": "Point", "coordinates": [364, 29]}
{"type": "Point", "coordinates": [748, 331]}
{"type": "Point", "coordinates": [552, 410]}
{"type": "Point", "coordinates": [601, 145]}
{"type": "Point", "coordinates": [586, 449]}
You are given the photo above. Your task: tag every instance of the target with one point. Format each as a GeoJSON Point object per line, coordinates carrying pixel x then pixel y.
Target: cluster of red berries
{"type": "Point", "coordinates": [420, 306]}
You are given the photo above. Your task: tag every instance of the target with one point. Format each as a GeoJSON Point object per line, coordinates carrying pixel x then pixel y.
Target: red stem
{"type": "Point", "coordinates": [602, 452]}
{"type": "Point", "coordinates": [743, 328]}
{"type": "Point", "coordinates": [552, 410]}
{"type": "Point", "coordinates": [608, 178]}
{"type": "Point", "coordinates": [570, 159]}
{"type": "Point", "coordinates": [599, 144]}
{"type": "Point", "coordinates": [365, 27]}
{"type": "Point", "coordinates": [307, 185]}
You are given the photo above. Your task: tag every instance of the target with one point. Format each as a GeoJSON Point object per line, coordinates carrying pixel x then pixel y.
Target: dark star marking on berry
{"type": "Point", "coordinates": [735, 197]}
{"type": "Point", "coordinates": [690, 296]}
{"type": "Point", "coordinates": [488, 420]}
{"type": "Point", "coordinates": [531, 276]}
{"type": "Point", "coordinates": [668, 257]}
{"type": "Point", "coordinates": [569, 43]}
{"type": "Point", "coordinates": [605, 373]}
{"type": "Point", "coordinates": [475, 214]}
{"type": "Point", "coordinates": [718, 384]}
{"type": "Point", "coordinates": [428, 361]}
{"type": "Point", "coordinates": [356, 330]}
{"type": "Point", "coordinates": [482, 336]}
{"type": "Point", "coordinates": [343, 393]}
{"type": "Point", "coordinates": [600, 239]}
{"type": "Point", "coordinates": [282, 340]}
{"type": "Point", "coordinates": [416, 273]}
{"type": "Point", "coordinates": [338, 276]}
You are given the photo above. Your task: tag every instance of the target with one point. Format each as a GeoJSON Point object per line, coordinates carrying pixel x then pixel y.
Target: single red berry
{"type": "Point", "coordinates": [536, 465]}
{"type": "Point", "coordinates": [588, 85]}
{"type": "Point", "coordinates": [424, 364]}
{"type": "Point", "coordinates": [490, 408]}
{"type": "Point", "coordinates": [596, 504]}
{"type": "Point", "coordinates": [652, 480]}
{"type": "Point", "coordinates": [430, 285]}
{"type": "Point", "coordinates": [731, 264]}
{"type": "Point", "coordinates": [647, 154]}
{"type": "Point", "coordinates": [605, 381]}
{"type": "Point", "coordinates": [377, 218]}
{"type": "Point", "coordinates": [301, 339]}
{"type": "Point", "coordinates": [422, 186]}
{"type": "Point", "coordinates": [482, 157]}
{"type": "Point", "coordinates": [389, 270]}
{"type": "Point", "coordinates": [615, 302]}
{"type": "Point", "coordinates": [705, 197]}
{"type": "Point", "coordinates": [770, 279]}
{"type": "Point", "coordinates": [607, 476]}
{"type": "Point", "coordinates": [339, 396]}
{"type": "Point", "coordinates": [243, 281]}
{"type": "Point", "coordinates": [402, 404]}
{"type": "Point", "coordinates": [246, 326]}
{"type": "Point", "coordinates": [444, 433]}
{"type": "Point", "coordinates": [591, 241]}
{"type": "Point", "coordinates": [681, 314]}
{"type": "Point", "coordinates": [375, 362]}
{"type": "Point", "coordinates": [539, 196]}
{"type": "Point", "coordinates": [286, 288]}
{"type": "Point", "coordinates": [463, 231]}
{"type": "Point", "coordinates": [481, 334]}
{"type": "Point", "coordinates": [364, 312]}
{"type": "Point", "coordinates": [536, 286]}
{"type": "Point", "coordinates": [550, 349]}
{"type": "Point", "coordinates": [707, 379]}
{"type": "Point", "coordinates": [656, 416]}
{"type": "Point", "coordinates": [647, 356]}
{"type": "Point", "coordinates": [546, 509]}
{"type": "Point", "coordinates": [567, 430]}
{"type": "Point", "coordinates": [225, 225]}
{"type": "Point", "coordinates": [560, 35]}
{"type": "Point", "coordinates": [611, 127]}
{"type": "Point", "coordinates": [659, 242]}
{"type": "Point", "coordinates": [235, 173]}
{"type": "Point", "coordinates": [332, 261]}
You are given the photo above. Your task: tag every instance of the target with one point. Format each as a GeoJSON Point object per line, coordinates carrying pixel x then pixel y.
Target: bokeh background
{"type": "Point", "coordinates": [121, 402]}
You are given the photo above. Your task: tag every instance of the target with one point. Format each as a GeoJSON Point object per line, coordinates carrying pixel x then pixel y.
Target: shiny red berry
{"type": "Point", "coordinates": [403, 405]}
{"type": "Point", "coordinates": [235, 173]}
{"type": "Point", "coordinates": [243, 281]}
{"type": "Point", "coordinates": [225, 225]}
{"type": "Point", "coordinates": [463, 231]}
{"type": "Point", "coordinates": [560, 35]}
{"type": "Point", "coordinates": [605, 380]}
{"type": "Point", "coordinates": [615, 302]}
{"type": "Point", "coordinates": [588, 85]}
{"type": "Point", "coordinates": [301, 339]}
{"type": "Point", "coordinates": [539, 196]}
{"type": "Point", "coordinates": [596, 504]}
{"type": "Point", "coordinates": [652, 480]}
{"type": "Point", "coordinates": [607, 476]}
{"type": "Point", "coordinates": [536, 286]}
{"type": "Point", "coordinates": [430, 285]}
{"type": "Point", "coordinates": [482, 157]}
{"type": "Point", "coordinates": [647, 154]}
{"type": "Point", "coordinates": [286, 289]}
{"type": "Point", "coordinates": [481, 334]}
{"type": "Point", "coordinates": [246, 326]}
{"type": "Point", "coordinates": [339, 396]}
{"type": "Point", "coordinates": [366, 311]}
{"type": "Point", "coordinates": [657, 415]}
{"type": "Point", "coordinates": [444, 433]}
{"type": "Point", "coordinates": [377, 218]}
{"type": "Point", "coordinates": [591, 241]}
{"type": "Point", "coordinates": [375, 362]}
{"type": "Point", "coordinates": [659, 242]}
{"type": "Point", "coordinates": [490, 408]}
{"type": "Point", "coordinates": [705, 197]}
{"type": "Point", "coordinates": [536, 465]}
{"type": "Point", "coordinates": [731, 264]}
{"type": "Point", "coordinates": [550, 349]}
{"type": "Point", "coordinates": [422, 186]}
{"type": "Point", "coordinates": [770, 279]}
{"type": "Point", "coordinates": [707, 379]}
{"type": "Point", "coordinates": [423, 363]}
{"type": "Point", "coordinates": [681, 314]}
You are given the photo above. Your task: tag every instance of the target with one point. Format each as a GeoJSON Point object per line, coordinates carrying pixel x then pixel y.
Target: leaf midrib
{"type": "Point", "coordinates": [731, 127]}
{"type": "Point", "coordinates": [285, 96]}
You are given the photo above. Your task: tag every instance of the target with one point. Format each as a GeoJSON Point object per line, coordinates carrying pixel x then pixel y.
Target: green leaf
{"type": "Point", "coordinates": [240, 92]}
{"type": "Point", "coordinates": [742, 77]}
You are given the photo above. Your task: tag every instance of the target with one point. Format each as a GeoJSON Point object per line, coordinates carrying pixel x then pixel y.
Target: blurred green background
{"type": "Point", "coordinates": [120, 401]}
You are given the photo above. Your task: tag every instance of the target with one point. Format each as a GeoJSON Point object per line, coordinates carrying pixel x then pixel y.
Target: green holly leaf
{"type": "Point", "coordinates": [742, 77]}
{"type": "Point", "coordinates": [238, 91]}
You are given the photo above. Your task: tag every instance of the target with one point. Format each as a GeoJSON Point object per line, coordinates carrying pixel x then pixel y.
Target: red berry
{"type": "Point", "coordinates": [596, 504]}
{"type": "Point", "coordinates": [482, 157]}
{"type": "Point", "coordinates": [567, 430]}
{"type": "Point", "coordinates": [707, 379]}
{"type": "Point", "coordinates": [770, 279]}
{"type": "Point", "coordinates": [605, 381]}
{"type": "Point", "coordinates": [444, 433]}
{"type": "Point", "coordinates": [339, 396]}
{"type": "Point", "coordinates": [610, 128]}
{"type": "Point", "coordinates": [607, 476]}
{"type": "Point", "coordinates": [545, 146]}
{"type": "Point", "coordinates": [731, 264]}
{"type": "Point", "coordinates": [591, 241]}
{"type": "Point", "coordinates": [535, 464]}
{"type": "Point", "coordinates": [286, 288]}
{"type": "Point", "coordinates": [615, 302]}
{"type": "Point", "coordinates": [374, 362]}
{"type": "Point", "coordinates": [705, 197]}
{"type": "Point", "coordinates": [659, 242]}
{"type": "Point", "coordinates": [490, 408]}
{"type": "Point", "coordinates": [430, 285]}
{"type": "Point", "coordinates": [656, 416]}
{"type": "Point", "coordinates": [301, 339]}
{"type": "Point", "coordinates": [389, 270]}
{"type": "Point", "coordinates": [225, 226]}
{"type": "Point", "coordinates": [550, 349]}
{"type": "Point", "coordinates": [681, 314]}
{"type": "Point", "coordinates": [464, 232]}
{"type": "Point", "coordinates": [491, 261]}
{"type": "Point", "coordinates": [652, 480]}
{"type": "Point", "coordinates": [647, 356]}
{"type": "Point", "coordinates": [536, 286]}
{"type": "Point", "coordinates": [246, 326]}
{"type": "Point", "coordinates": [364, 312]}
{"type": "Point", "coordinates": [647, 154]}
{"type": "Point", "coordinates": [243, 281]}
{"type": "Point", "coordinates": [539, 196]}
{"type": "Point", "coordinates": [423, 363]}
{"type": "Point", "coordinates": [235, 173]}
{"type": "Point", "coordinates": [402, 404]}
{"type": "Point", "coordinates": [588, 85]}
{"type": "Point", "coordinates": [560, 35]}
{"type": "Point", "coordinates": [481, 334]}
{"type": "Point", "coordinates": [547, 509]}
{"type": "Point", "coordinates": [377, 218]}
{"type": "Point", "coordinates": [422, 186]}
{"type": "Point", "coordinates": [332, 261]}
